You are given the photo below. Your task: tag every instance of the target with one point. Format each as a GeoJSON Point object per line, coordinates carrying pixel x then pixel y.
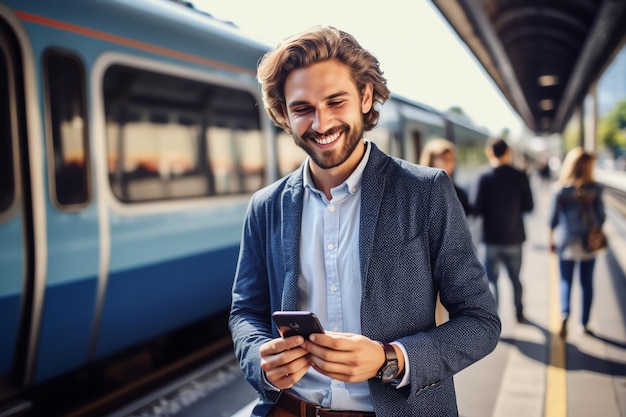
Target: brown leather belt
{"type": "Point", "coordinates": [301, 408]}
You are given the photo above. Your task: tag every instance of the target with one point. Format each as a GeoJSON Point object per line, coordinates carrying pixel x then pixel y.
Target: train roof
{"type": "Point", "coordinates": [413, 103]}
{"type": "Point", "coordinates": [158, 26]}
{"type": "Point", "coordinates": [465, 121]}
{"type": "Point", "coordinates": [458, 119]}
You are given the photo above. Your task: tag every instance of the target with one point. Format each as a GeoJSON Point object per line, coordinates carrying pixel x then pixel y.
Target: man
{"type": "Point", "coordinates": [502, 197]}
{"type": "Point", "coordinates": [363, 240]}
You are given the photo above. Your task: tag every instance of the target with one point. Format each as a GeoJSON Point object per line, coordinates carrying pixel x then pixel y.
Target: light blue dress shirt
{"type": "Point", "coordinates": [330, 280]}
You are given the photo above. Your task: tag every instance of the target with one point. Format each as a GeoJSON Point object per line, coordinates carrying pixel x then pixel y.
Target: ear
{"type": "Point", "coordinates": [367, 95]}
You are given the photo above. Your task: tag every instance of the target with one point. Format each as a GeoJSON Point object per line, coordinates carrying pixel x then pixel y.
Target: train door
{"type": "Point", "coordinates": [16, 249]}
{"type": "Point", "coordinates": [46, 312]}
{"type": "Point", "coordinates": [413, 144]}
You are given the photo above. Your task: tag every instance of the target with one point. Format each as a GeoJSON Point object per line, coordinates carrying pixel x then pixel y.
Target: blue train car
{"type": "Point", "coordinates": [132, 139]}
{"type": "Point", "coordinates": [406, 125]}
{"type": "Point", "coordinates": [132, 136]}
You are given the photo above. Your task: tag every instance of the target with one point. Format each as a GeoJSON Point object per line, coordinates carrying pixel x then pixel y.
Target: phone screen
{"type": "Point", "coordinates": [291, 323]}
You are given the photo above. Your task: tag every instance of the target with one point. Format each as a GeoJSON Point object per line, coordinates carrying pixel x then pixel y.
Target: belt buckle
{"type": "Point", "coordinates": [319, 408]}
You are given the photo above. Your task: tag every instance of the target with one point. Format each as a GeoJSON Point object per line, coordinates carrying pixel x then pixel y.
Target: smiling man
{"type": "Point", "coordinates": [365, 241]}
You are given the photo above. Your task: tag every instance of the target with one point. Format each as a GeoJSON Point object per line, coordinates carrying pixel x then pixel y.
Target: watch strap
{"type": "Point", "coordinates": [390, 356]}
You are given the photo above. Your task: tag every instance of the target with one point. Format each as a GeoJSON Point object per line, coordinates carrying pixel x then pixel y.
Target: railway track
{"type": "Point", "coordinates": [216, 388]}
{"type": "Point", "coordinates": [147, 384]}
{"type": "Point", "coordinates": [109, 385]}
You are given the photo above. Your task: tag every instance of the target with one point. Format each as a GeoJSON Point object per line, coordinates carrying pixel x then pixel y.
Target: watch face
{"type": "Point", "coordinates": [390, 371]}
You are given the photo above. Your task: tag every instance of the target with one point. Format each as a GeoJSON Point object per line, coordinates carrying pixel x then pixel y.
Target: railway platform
{"type": "Point", "coordinates": [531, 373]}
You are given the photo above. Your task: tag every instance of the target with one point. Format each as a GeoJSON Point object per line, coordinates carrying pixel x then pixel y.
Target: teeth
{"type": "Point", "coordinates": [327, 139]}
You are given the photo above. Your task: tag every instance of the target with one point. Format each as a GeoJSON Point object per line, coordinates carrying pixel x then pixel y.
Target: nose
{"type": "Point", "coordinates": [321, 120]}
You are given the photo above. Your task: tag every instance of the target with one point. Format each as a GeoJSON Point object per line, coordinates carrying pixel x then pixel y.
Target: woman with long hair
{"type": "Point", "coordinates": [441, 153]}
{"type": "Point", "coordinates": [576, 201]}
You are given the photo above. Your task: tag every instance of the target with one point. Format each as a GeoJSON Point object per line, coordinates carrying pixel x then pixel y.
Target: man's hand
{"type": "Point", "coordinates": [346, 357]}
{"type": "Point", "coordinates": [284, 361]}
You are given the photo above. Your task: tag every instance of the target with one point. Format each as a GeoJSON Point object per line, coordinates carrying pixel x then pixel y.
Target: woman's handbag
{"type": "Point", "coordinates": [594, 239]}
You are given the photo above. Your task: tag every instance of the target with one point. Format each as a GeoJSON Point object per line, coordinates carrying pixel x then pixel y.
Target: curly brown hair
{"type": "Point", "coordinates": [318, 44]}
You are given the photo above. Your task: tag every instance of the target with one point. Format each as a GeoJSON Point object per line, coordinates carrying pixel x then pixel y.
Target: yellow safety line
{"type": "Point", "coordinates": [556, 378]}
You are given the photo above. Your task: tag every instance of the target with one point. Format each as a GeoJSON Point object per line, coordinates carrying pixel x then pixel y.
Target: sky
{"type": "Point", "coordinates": [421, 56]}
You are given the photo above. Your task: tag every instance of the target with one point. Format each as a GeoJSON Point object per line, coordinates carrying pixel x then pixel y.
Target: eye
{"type": "Point", "coordinates": [300, 110]}
{"type": "Point", "coordinates": [335, 103]}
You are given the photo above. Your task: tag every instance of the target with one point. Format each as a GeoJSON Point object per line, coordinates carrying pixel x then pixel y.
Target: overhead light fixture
{"type": "Point", "coordinates": [548, 80]}
{"type": "Point", "coordinates": [546, 104]}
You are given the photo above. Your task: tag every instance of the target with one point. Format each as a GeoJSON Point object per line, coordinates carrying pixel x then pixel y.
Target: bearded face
{"type": "Point", "coordinates": [325, 112]}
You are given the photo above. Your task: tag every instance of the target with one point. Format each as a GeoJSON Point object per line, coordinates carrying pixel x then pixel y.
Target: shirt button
{"type": "Point", "coordinates": [335, 382]}
{"type": "Point", "coordinates": [331, 246]}
{"type": "Point", "coordinates": [335, 329]}
{"type": "Point", "coordinates": [331, 207]}
{"type": "Point", "coordinates": [333, 288]}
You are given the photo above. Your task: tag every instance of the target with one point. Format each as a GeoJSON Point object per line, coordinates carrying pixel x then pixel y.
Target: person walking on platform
{"type": "Point", "coordinates": [576, 200]}
{"type": "Point", "coordinates": [501, 199]}
{"type": "Point", "coordinates": [441, 153]}
{"type": "Point", "coordinates": [365, 241]}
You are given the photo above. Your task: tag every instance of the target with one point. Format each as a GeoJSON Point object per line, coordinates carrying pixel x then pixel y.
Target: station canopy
{"type": "Point", "coordinates": [544, 55]}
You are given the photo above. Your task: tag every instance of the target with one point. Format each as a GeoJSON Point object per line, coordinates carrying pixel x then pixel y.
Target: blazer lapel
{"type": "Point", "coordinates": [291, 211]}
{"type": "Point", "coordinates": [373, 183]}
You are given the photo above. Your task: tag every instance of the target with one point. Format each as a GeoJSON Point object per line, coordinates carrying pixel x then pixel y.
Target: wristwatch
{"type": "Point", "coordinates": [390, 370]}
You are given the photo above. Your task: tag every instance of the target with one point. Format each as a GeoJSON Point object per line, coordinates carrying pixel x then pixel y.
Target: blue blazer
{"type": "Point", "coordinates": [414, 243]}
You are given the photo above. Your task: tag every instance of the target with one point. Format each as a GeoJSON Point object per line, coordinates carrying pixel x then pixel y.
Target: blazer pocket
{"type": "Point", "coordinates": [427, 388]}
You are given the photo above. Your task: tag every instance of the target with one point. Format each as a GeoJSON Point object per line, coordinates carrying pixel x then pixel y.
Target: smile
{"type": "Point", "coordinates": [325, 140]}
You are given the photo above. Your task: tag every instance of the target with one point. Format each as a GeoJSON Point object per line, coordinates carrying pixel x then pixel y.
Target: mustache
{"type": "Point", "coordinates": [313, 134]}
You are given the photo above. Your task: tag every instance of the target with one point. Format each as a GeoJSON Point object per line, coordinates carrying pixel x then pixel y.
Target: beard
{"type": "Point", "coordinates": [327, 159]}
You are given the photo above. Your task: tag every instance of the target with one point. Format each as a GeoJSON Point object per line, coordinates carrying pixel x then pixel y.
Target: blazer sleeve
{"type": "Point", "coordinates": [249, 316]}
{"type": "Point", "coordinates": [473, 330]}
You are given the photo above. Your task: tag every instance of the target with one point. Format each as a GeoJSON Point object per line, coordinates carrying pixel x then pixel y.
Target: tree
{"type": "Point", "coordinates": [571, 135]}
{"type": "Point", "coordinates": [612, 129]}
{"type": "Point", "coordinates": [457, 110]}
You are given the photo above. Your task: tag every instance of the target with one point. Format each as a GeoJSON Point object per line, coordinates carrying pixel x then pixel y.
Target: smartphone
{"type": "Point", "coordinates": [291, 323]}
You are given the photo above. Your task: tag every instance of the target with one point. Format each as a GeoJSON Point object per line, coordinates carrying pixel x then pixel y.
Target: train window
{"type": "Point", "coordinates": [173, 137]}
{"type": "Point", "coordinates": [7, 179]}
{"type": "Point", "coordinates": [65, 82]}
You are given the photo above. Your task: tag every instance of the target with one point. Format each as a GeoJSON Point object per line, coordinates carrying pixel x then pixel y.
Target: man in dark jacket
{"type": "Point", "coordinates": [502, 197]}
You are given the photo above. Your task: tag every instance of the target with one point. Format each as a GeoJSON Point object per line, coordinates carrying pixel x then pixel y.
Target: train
{"type": "Point", "coordinates": [133, 135]}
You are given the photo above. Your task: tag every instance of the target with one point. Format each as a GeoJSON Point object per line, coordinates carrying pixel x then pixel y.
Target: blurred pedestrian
{"type": "Point", "coordinates": [365, 241]}
{"type": "Point", "coordinates": [441, 153]}
{"type": "Point", "coordinates": [576, 201]}
{"type": "Point", "coordinates": [544, 172]}
{"type": "Point", "coordinates": [502, 198]}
